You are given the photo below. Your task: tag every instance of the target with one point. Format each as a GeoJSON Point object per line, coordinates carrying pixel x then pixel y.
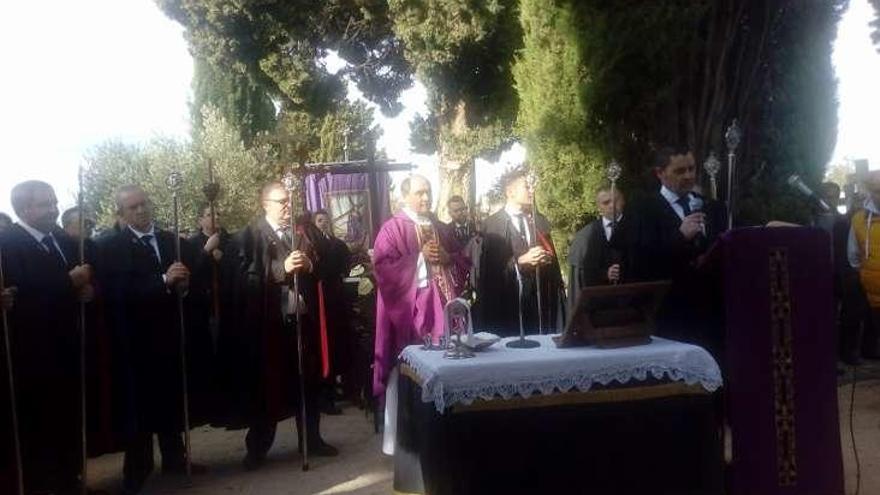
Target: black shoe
{"type": "Point", "coordinates": [320, 448]}
{"type": "Point", "coordinates": [331, 409]}
{"type": "Point", "coordinates": [253, 462]}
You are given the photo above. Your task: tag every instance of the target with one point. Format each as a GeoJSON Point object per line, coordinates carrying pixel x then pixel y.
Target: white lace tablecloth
{"type": "Point", "coordinates": [502, 372]}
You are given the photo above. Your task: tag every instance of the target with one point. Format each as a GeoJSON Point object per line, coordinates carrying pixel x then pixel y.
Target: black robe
{"type": "Point", "coordinates": [589, 257]}
{"type": "Point", "coordinates": [44, 333]}
{"type": "Point", "coordinates": [497, 295]}
{"type": "Point", "coordinates": [257, 353]}
{"type": "Point", "coordinates": [338, 308]}
{"type": "Point", "coordinates": [144, 322]}
{"type": "Point", "coordinates": [654, 249]}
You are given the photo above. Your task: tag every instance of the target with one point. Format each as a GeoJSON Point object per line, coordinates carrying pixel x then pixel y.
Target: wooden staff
{"type": "Point", "coordinates": [289, 182]}
{"type": "Point", "coordinates": [614, 172]}
{"type": "Point", "coordinates": [81, 241]}
{"type": "Point", "coordinates": [12, 404]}
{"type": "Point", "coordinates": [531, 181]}
{"type": "Point", "coordinates": [212, 190]}
{"type": "Point", "coordinates": [174, 184]}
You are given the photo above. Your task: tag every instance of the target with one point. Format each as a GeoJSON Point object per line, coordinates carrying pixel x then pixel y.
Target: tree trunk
{"type": "Point", "coordinates": [457, 177]}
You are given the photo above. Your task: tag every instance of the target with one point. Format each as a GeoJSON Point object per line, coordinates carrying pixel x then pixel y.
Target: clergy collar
{"type": "Point", "coordinates": [415, 217]}
{"type": "Point", "coordinates": [36, 234]}
{"type": "Point", "coordinates": [139, 234]}
{"type": "Point", "coordinates": [513, 210]}
{"type": "Point", "coordinates": [670, 196]}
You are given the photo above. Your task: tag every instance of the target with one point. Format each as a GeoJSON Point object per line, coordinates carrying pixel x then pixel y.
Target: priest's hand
{"type": "Point", "coordinates": [535, 256]}
{"type": "Point", "coordinates": [614, 273]}
{"type": "Point", "coordinates": [434, 253]}
{"type": "Point", "coordinates": [80, 276]}
{"type": "Point", "coordinates": [177, 276]}
{"type": "Point", "coordinates": [297, 261]}
{"type": "Point", "coordinates": [692, 225]}
{"type": "Point", "coordinates": [7, 297]}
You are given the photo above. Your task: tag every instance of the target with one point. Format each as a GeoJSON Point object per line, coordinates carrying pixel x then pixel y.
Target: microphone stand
{"type": "Point", "coordinates": [12, 402]}
{"type": "Point", "coordinates": [82, 346]}
{"type": "Point", "coordinates": [174, 184]}
{"type": "Point", "coordinates": [289, 184]}
{"type": "Point", "coordinates": [523, 342]}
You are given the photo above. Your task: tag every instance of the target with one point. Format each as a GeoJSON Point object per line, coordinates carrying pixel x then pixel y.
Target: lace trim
{"type": "Point", "coordinates": [443, 397]}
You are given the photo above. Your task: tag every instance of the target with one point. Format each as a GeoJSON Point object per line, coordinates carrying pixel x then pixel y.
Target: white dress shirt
{"type": "Point", "coordinates": [515, 212]}
{"type": "Point", "coordinates": [39, 236]}
{"type": "Point", "coordinates": [695, 203]}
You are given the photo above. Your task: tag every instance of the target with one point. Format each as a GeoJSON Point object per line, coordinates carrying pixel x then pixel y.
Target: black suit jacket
{"type": "Point", "coordinates": [589, 257]}
{"type": "Point", "coordinates": [44, 334]}
{"type": "Point", "coordinates": [145, 326]}
{"type": "Point", "coordinates": [498, 295]}
{"type": "Point", "coordinates": [654, 248]}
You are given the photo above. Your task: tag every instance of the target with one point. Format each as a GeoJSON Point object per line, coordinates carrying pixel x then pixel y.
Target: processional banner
{"type": "Point", "coordinates": [350, 200]}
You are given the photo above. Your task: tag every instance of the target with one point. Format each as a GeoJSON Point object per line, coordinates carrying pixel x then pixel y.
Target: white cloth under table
{"type": "Point", "coordinates": [502, 372]}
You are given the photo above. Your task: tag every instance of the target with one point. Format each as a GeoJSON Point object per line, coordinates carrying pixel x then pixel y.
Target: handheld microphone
{"type": "Point", "coordinates": [796, 182]}
{"type": "Point", "coordinates": [696, 207]}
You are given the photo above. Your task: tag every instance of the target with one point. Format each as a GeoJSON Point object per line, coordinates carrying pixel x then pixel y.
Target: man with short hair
{"type": "Point", "coordinates": [591, 258]}
{"type": "Point", "coordinates": [142, 281]}
{"type": "Point", "coordinates": [418, 270]}
{"type": "Point", "coordinates": [45, 283]}
{"type": "Point", "coordinates": [663, 238]}
{"type": "Point", "coordinates": [257, 350]}
{"type": "Point", "coordinates": [513, 253]}
{"type": "Point", "coordinates": [70, 223]}
{"type": "Point", "coordinates": [462, 227]}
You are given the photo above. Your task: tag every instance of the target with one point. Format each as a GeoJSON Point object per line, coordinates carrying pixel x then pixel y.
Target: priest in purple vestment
{"type": "Point", "coordinates": [418, 267]}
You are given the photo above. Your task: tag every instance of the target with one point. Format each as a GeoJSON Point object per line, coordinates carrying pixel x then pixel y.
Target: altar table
{"type": "Point", "coordinates": [546, 420]}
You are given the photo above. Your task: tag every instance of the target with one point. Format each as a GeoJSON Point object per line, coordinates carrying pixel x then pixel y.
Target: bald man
{"type": "Point", "coordinates": [41, 263]}
{"type": "Point", "coordinates": [418, 268]}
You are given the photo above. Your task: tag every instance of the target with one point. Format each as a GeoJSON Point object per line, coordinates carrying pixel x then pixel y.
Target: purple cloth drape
{"type": "Point", "coordinates": [320, 187]}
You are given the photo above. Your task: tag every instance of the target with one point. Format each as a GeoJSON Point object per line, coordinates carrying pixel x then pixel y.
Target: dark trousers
{"type": "Point", "coordinates": [261, 433]}
{"type": "Point", "coordinates": [138, 463]}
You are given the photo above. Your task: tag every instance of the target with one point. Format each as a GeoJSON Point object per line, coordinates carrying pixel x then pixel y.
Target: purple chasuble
{"type": "Point", "coordinates": [406, 313]}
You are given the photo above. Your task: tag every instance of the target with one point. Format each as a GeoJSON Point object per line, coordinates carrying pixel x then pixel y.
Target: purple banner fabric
{"type": "Point", "coordinates": [351, 199]}
{"type": "Point", "coordinates": [781, 364]}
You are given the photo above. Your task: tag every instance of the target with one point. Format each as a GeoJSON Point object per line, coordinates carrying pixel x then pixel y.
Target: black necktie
{"type": "Point", "coordinates": [145, 240]}
{"type": "Point", "coordinates": [685, 203]}
{"type": "Point", "coordinates": [521, 222]}
{"type": "Point", "coordinates": [49, 243]}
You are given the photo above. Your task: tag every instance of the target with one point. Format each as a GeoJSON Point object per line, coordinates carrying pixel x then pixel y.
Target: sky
{"type": "Point", "coordinates": [80, 73]}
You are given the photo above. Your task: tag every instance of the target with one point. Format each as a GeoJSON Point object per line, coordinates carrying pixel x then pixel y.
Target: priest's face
{"type": "Point", "coordinates": [606, 206]}
{"type": "Point", "coordinates": [135, 209]}
{"type": "Point", "coordinates": [680, 174]}
{"type": "Point", "coordinates": [42, 211]}
{"type": "Point", "coordinates": [275, 204]}
{"type": "Point", "coordinates": [419, 197]}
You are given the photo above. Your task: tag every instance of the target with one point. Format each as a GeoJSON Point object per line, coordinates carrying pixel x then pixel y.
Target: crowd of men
{"type": "Point", "coordinates": [205, 331]}
{"type": "Point", "coordinates": [180, 333]}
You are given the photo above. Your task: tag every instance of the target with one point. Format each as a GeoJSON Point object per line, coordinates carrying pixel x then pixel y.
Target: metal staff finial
{"type": "Point", "coordinates": [289, 181]}
{"type": "Point", "coordinates": [712, 166]}
{"type": "Point", "coordinates": [175, 182]}
{"type": "Point", "coordinates": [732, 137]}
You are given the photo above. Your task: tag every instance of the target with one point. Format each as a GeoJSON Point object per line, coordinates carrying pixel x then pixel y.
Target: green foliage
{"type": "Point", "coordinates": [598, 81]}
{"type": "Point", "coordinates": [243, 104]}
{"type": "Point", "coordinates": [280, 44]}
{"type": "Point", "coordinates": [551, 77]}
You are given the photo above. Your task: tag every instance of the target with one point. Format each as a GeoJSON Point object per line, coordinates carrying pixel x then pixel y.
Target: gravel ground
{"type": "Point", "coordinates": [361, 469]}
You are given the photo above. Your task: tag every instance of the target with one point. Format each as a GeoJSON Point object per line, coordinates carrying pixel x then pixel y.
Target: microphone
{"type": "Point", "coordinates": [696, 207]}
{"type": "Point", "coordinates": [796, 182]}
